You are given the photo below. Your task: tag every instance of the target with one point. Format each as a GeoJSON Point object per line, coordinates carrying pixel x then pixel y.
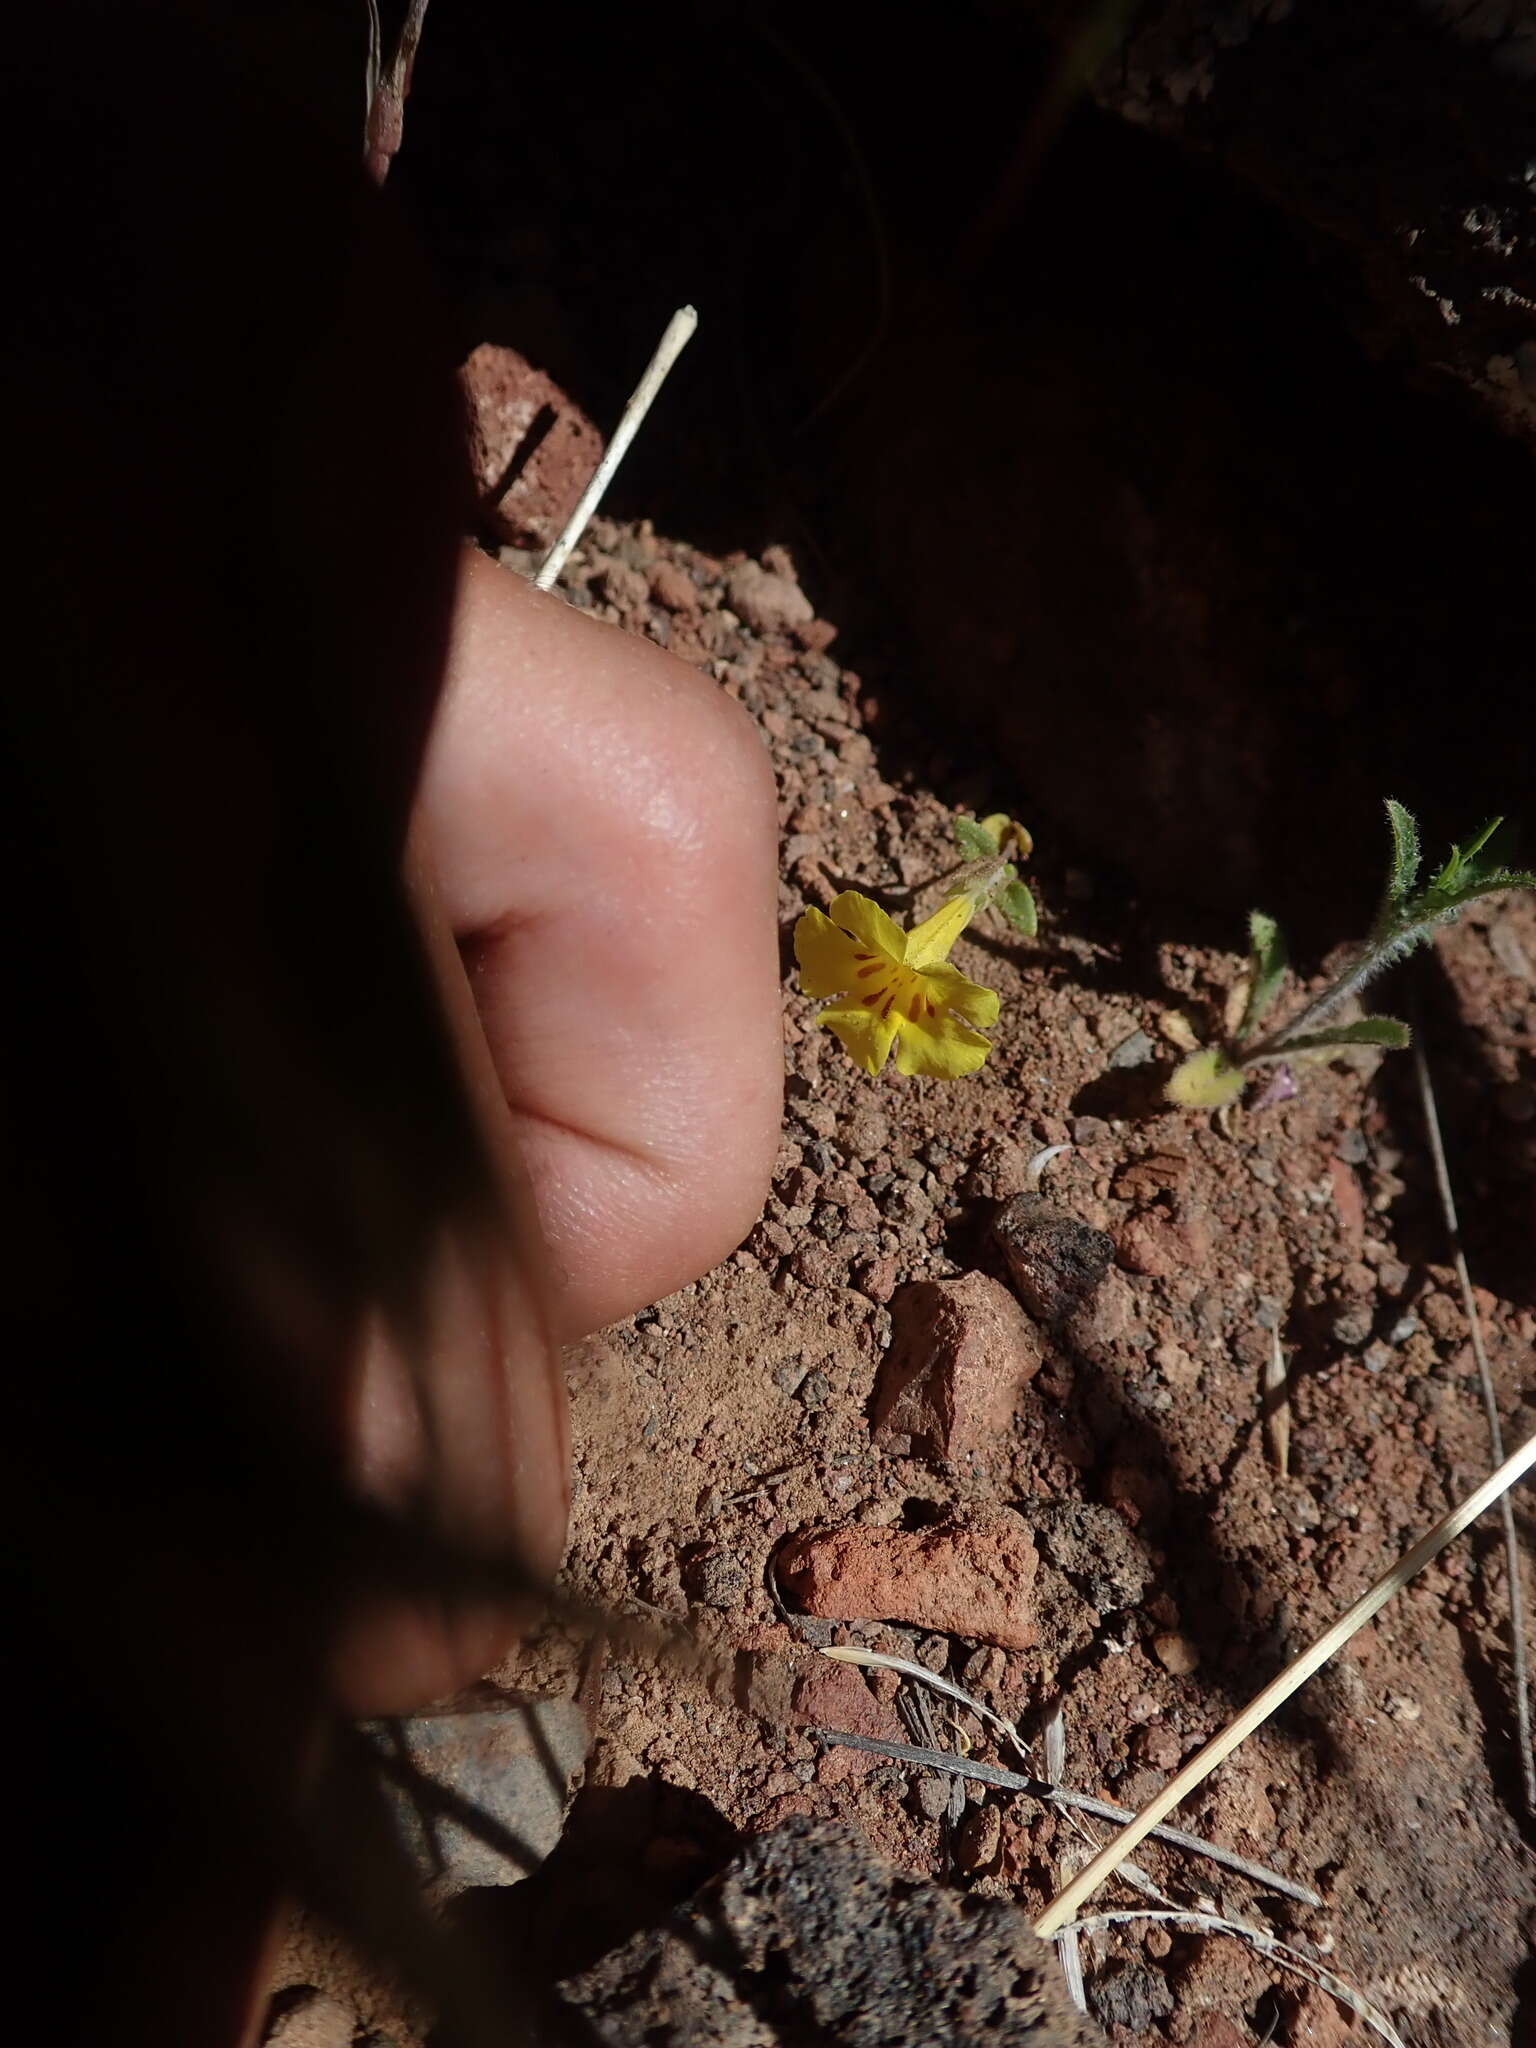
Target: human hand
{"type": "Point", "coordinates": [595, 830]}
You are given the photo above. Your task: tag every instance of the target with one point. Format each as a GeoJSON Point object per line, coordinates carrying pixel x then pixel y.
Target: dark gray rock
{"type": "Point", "coordinates": [809, 1940]}
{"type": "Point", "coordinates": [1055, 1261]}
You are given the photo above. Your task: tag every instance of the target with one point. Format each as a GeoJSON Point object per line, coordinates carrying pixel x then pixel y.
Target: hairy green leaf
{"type": "Point", "coordinates": [1404, 871]}
{"type": "Point", "coordinates": [1387, 1031]}
{"type": "Point", "coordinates": [1267, 963]}
{"type": "Point", "coordinates": [973, 838]}
{"type": "Point", "coordinates": [1018, 906]}
{"type": "Point", "coordinates": [1206, 1080]}
{"type": "Point", "coordinates": [1467, 874]}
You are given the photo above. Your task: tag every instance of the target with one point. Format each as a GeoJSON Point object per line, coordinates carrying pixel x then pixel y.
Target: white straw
{"type": "Point", "coordinates": [679, 333]}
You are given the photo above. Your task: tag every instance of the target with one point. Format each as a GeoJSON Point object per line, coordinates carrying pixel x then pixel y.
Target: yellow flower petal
{"type": "Point", "coordinates": [929, 942]}
{"type": "Point", "coordinates": [940, 1046]}
{"type": "Point", "coordinates": [948, 987]}
{"type": "Point", "coordinates": [829, 960]}
{"type": "Point", "coordinates": [865, 1037]}
{"type": "Point", "coordinates": [869, 924]}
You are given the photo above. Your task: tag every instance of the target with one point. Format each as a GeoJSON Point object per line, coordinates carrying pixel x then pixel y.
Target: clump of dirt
{"type": "Point", "coordinates": [1176, 1566]}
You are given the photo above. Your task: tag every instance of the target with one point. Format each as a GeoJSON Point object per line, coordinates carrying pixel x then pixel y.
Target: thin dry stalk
{"type": "Point", "coordinates": [881, 1660]}
{"type": "Point", "coordinates": [678, 334]}
{"type": "Point", "coordinates": [1277, 1407]}
{"type": "Point", "coordinates": [1280, 1952]}
{"type": "Point", "coordinates": [1258, 1710]}
{"type": "Point", "coordinates": [1519, 1676]}
{"type": "Point", "coordinates": [1059, 1795]}
{"type": "Point", "coordinates": [1055, 1732]}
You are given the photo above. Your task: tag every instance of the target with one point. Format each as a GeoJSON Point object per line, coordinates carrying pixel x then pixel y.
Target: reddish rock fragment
{"type": "Point", "coordinates": [1176, 1653]}
{"type": "Point", "coordinates": [960, 1352]}
{"type": "Point", "coordinates": [876, 1278]}
{"type": "Point", "coordinates": [1140, 1180]}
{"type": "Point", "coordinates": [1349, 1203]}
{"type": "Point", "coordinates": [764, 601]}
{"type": "Point", "coordinates": [531, 449]}
{"type": "Point", "coordinates": [971, 1579]}
{"type": "Point", "coordinates": [1321, 2022]}
{"type": "Point", "coordinates": [978, 1846]}
{"type": "Point", "coordinates": [674, 588]}
{"type": "Point", "coordinates": [835, 1696]}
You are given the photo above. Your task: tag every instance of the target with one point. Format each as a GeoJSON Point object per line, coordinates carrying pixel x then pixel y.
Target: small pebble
{"type": "Point", "coordinates": [1134, 1051]}
{"type": "Point", "coordinates": [1352, 1327]}
{"type": "Point", "coordinates": [979, 1838]}
{"type": "Point", "coordinates": [1177, 1654]}
{"type": "Point", "coordinates": [930, 1795]}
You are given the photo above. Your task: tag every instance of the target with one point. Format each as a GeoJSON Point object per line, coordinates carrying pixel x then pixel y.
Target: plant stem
{"type": "Point", "coordinates": [1519, 1674]}
{"type": "Point", "coordinates": [1348, 983]}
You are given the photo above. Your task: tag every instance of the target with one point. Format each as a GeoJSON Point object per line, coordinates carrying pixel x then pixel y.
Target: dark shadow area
{"type": "Point", "coordinates": [628, 1855]}
{"type": "Point", "coordinates": [1123, 513]}
{"type": "Point", "coordinates": [522, 455]}
{"type": "Point", "coordinates": [1491, 1155]}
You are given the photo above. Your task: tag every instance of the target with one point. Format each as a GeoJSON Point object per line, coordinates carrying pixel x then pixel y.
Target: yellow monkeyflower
{"type": "Point", "coordinates": [897, 987]}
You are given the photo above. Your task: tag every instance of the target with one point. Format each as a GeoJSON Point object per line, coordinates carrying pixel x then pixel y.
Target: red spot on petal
{"type": "Point", "coordinates": [885, 1008]}
{"type": "Point", "coordinates": [871, 1000]}
{"type": "Point", "coordinates": [865, 972]}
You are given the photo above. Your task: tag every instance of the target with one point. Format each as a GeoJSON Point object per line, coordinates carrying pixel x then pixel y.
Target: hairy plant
{"type": "Point", "coordinates": [1409, 914]}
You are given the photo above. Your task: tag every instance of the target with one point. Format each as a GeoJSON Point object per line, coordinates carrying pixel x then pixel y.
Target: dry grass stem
{"type": "Point", "coordinates": [1040, 1162]}
{"type": "Point", "coordinates": [1520, 1677]}
{"type": "Point", "coordinates": [679, 332]}
{"type": "Point", "coordinates": [1055, 1734]}
{"type": "Point", "coordinates": [879, 1660]}
{"type": "Point", "coordinates": [1296, 1673]}
{"type": "Point", "coordinates": [1277, 1407]}
{"type": "Point", "coordinates": [1059, 1795]}
{"type": "Point", "coordinates": [1260, 1938]}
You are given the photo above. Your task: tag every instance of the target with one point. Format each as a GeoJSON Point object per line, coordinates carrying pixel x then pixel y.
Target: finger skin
{"type": "Point", "coordinates": [500, 1449]}
{"type": "Point", "coordinates": [601, 829]}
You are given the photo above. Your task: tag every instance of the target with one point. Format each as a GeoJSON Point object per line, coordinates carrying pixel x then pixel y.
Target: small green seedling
{"type": "Point", "coordinates": [982, 841]}
{"type": "Point", "coordinates": [1217, 1075]}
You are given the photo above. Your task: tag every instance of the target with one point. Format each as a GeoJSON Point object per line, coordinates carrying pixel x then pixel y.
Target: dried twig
{"type": "Point", "coordinates": [1296, 1673]}
{"type": "Point", "coordinates": [1059, 1795]}
{"type": "Point", "coordinates": [1055, 1732]}
{"type": "Point", "coordinates": [1280, 1952]}
{"type": "Point", "coordinates": [912, 1704]}
{"type": "Point", "coordinates": [1040, 1162]}
{"type": "Point", "coordinates": [1276, 1408]}
{"type": "Point", "coordinates": [679, 332]}
{"type": "Point", "coordinates": [881, 1660]}
{"type": "Point", "coordinates": [1519, 1676]}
